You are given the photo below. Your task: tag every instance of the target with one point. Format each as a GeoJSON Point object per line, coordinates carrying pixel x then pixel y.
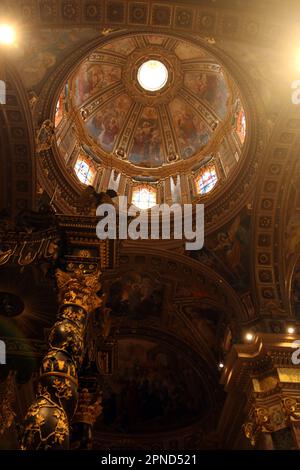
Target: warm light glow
{"type": "Point", "coordinates": [290, 330]}
{"type": "Point", "coordinates": [241, 125]}
{"type": "Point", "coordinates": [7, 34]}
{"type": "Point", "coordinates": [206, 179]}
{"type": "Point", "coordinates": [143, 198]}
{"type": "Point", "coordinates": [221, 365]}
{"type": "Point", "coordinates": [85, 171]}
{"type": "Point", "coordinates": [152, 75]}
{"type": "Point", "coordinates": [249, 337]}
{"type": "Point", "coordinates": [297, 61]}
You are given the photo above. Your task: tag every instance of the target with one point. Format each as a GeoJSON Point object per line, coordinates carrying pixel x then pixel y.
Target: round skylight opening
{"type": "Point", "coordinates": [152, 75]}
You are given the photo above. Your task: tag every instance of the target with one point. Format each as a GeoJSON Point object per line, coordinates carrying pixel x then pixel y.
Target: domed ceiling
{"type": "Point", "coordinates": [152, 128]}
{"type": "Point", "coordinates": [145, 103]}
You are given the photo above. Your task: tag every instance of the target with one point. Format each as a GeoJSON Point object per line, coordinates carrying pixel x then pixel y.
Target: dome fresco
{"type": "Point", "coordinates": [139, 123]}
{"type": "Point", "coordinates": [190, 111]}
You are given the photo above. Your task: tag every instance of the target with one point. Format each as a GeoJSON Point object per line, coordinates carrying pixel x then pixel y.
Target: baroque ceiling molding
{"type": "Point", "coordinates": [222, 19]}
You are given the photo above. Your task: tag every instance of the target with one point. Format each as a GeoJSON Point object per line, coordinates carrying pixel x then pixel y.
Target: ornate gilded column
{"type": "Point", "coordinates": [264, 385]}
{"type": "Point", "coordinates": [47, 422]}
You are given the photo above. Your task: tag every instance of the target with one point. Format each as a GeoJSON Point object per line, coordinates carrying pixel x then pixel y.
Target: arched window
{"type": "Point", "coordinates": [241, 125]}
{"type": "Point", "coordinates": [61, 105]}
{"type": "Point", "coordinates": [143, 197]}
{"type": "Point", "coordinates": [59, 110]}
{"type": "Point", "coordinates": [206, 179]}
{"type": "Point", "coordinates": [239, 121]}
{"type": "Point", "coordinates": [85, 170]}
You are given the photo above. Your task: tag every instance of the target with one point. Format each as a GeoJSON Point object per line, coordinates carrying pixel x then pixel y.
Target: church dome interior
{"type": "Point", "coordinates": [122, 333]}
{"type": "Point", "coordinates": [189, 120]}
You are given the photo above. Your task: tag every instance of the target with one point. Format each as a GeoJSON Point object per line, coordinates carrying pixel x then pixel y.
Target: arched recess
{"type": "Point", "coordinates": [17, 147]}
{"type": "Point", "coordinates": [190, 289]}
{"type": "Point", "coordinates": [219, 208]}
{"type": "Point", "coordinates": [154, 359]}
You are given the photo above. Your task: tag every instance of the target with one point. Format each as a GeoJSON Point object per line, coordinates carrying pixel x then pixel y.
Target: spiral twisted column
{"type": "Point", "coordinates": [47, 422]}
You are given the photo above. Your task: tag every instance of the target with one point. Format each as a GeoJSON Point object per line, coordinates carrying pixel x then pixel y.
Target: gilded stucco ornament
{"type": "Point", "coordinates": [292, 408]}
{"type": "Point", "coordinates": [46, 425]}
{"type": "Point", "coordinates": [259, 422]}
{"type": "Point", "coordinates": [45, 136]}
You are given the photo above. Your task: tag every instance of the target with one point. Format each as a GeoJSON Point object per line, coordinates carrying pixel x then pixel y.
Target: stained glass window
{"type": "Point", "coordinates": [239, 120]}
{"type": "Point", "coordinates": [241, 125]}
{"type": "Point", "coordinates": [143, 197]}
{"type": "Point", "coordinates": [206, 179]}
{"type": "Point", "coordinates": [84, 170]}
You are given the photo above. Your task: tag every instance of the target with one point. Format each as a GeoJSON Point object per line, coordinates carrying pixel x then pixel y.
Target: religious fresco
{"type": "Point", "coordinates": [205, 321]}
{"type": "Point", "coordinates": [106, 125]}
{"type": "Point", "coordinates": [147, 394]}
{"type": "Point", "coordinates": [157, 40]}
{"type": "Point", "coordinates": [121, 46]}
{"type": "Point", "coordinates": [144, 128]}
{"type": "Point", "coordinates": [231, 245]}
{"type": "Point", "coordinates": [191, 131]}
{"type": "Point", "coordinates": [228, 251]}
{"type": "Point", "coordinates": [94, 77]}
{"type": "Point", "coordinates": [40, 51]}
{"type": "Point", "coordinates": [136, 295]}
{"type": "Point", "coordinates": [147, 141]}
{"type": "Point", "coordinates": [185, 51]}
{"type": "Point", "coordinates": [209, 87]}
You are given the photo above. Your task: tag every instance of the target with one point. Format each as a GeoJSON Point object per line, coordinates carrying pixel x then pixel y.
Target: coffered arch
{"type": "Point", "coordinates": [17, 155]}
{"type": "Point", "coordinates": [272, 264]}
